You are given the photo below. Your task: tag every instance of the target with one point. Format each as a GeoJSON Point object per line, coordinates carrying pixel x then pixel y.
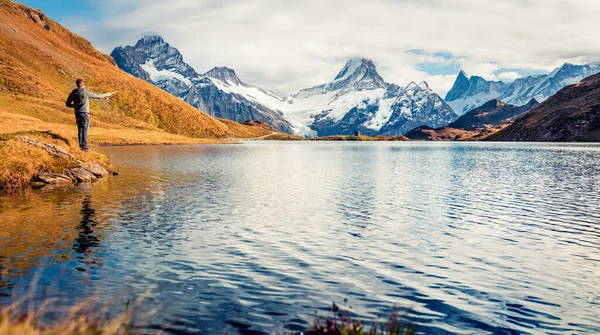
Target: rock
{"type": "Point", "coordinates": [80, 175]}
{"type": "Point", "coordinates": [97, 170]}
{"type": "Point", "coordinates": [51, 148]}
{"type": "Point", "coordinates": [52, 178]}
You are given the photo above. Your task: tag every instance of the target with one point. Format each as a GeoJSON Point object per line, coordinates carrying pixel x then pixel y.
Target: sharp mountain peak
{"type": "Point", "coordinates": [224, 74]}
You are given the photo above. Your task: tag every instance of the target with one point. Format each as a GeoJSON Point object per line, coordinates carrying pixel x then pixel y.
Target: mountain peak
{"type": "Point", "coordinates": [462, 73]}
{"type": "Point", "coordinates": [532, 103]}
{"type": "Point", "coordinates": [224, 74]}
{"type": "Point", "coordinates": [460, 87]}
{"type": "Point", "coordinates": [353, 65]}
{"type": "Point", "coordinates": [151, 39]}
{"type": "Point", "coordinates": [411, 86]}
{"type": "Point", "coordinates": [423, 84]}
{"type": "Point", "coordinates": [494, 103]}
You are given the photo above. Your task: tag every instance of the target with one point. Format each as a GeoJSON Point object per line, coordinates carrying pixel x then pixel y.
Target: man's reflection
{"type": "Point", "coordinates": [86, 239]}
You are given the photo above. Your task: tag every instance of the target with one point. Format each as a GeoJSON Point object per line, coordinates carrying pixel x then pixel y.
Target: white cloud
{"type": "Point", "coordinates": [508, 76]}
{"type": "Point", "coordinates": [288, 45]}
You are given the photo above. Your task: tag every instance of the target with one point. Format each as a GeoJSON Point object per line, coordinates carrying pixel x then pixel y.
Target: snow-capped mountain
{"type": "Point", "coordinates": [219, 92]}
{"type": "Point", "coordinates": [357, 99]}
{"type": "Point", "coordinates": [470, 92]}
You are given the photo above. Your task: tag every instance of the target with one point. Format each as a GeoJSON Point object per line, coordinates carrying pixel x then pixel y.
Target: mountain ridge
{"type": "Point", "coordinates": [571, 115]}
{"type": "Point", "coordinates": [491, 114]}
{"type": "Point", "coordinates": [157, 62]}
{"type": "Point", "coordinates": [469, 92]}
{"type": "Point", "coordinates": [357, 99]}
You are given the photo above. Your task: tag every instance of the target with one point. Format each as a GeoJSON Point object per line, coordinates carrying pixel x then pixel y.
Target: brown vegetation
{"type": "Point", "coordinates": [425, 133]}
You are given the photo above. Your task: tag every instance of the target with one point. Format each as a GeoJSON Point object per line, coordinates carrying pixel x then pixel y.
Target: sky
{"type": "Point", "coordinates": [285, 46]}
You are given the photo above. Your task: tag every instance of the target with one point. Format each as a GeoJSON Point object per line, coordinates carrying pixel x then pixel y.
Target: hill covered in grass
{"type": "Point", "coordinates": [39, 62]}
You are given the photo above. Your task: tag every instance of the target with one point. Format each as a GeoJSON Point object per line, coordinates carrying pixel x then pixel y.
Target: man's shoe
{"type": "Point", "coordinates": [84, 149]}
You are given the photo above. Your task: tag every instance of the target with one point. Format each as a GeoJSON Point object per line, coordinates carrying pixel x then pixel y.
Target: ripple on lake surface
{"type": "Point", "coordinates": [467, 238]}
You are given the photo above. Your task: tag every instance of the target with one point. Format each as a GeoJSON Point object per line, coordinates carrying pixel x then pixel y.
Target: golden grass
{"type": "Point", "coordinates": [81, 325]}
{"type": "Point", "coordinates": [282, 137]}
{"type": "Point", "coordinates": [85, 318]}
{"type": "Point", "coordinates": [100, 134]}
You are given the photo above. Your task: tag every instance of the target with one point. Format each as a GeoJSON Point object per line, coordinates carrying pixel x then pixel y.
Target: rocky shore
{"type": "Point", "coordinates": [40, 158]}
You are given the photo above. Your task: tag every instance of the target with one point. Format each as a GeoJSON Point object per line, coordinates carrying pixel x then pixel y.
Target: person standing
{"type": "Point", "coordinates": [79, 100]}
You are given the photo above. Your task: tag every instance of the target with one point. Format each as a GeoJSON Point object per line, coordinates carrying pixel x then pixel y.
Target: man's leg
{"type": "Point", "coordinates": [83, 122]}
{"type": "Point", "coordinates": [84, 131]}
{"type": "Point", "coordinates": [79, 130]}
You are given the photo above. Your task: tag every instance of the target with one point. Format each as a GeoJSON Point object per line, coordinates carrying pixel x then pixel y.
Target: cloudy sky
{"type": "Point", "coordinates": [288, 45]}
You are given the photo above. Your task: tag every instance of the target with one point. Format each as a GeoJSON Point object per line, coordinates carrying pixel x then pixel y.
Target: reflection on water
{"type": "Point", "coordinates": [86, 237]}
{"type": "Point", "coordinates": [467, 238]}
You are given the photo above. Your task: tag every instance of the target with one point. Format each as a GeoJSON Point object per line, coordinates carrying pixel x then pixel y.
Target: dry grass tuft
{"type": "Point", "coordinates": [87, 318]}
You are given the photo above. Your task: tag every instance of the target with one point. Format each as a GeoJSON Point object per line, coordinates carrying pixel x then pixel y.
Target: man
{"type": "Point", "coordinates": [79, 99]}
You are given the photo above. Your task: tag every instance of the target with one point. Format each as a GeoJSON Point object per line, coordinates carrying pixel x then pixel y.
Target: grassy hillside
{"type": "Point", "coordinates": [39, 62]}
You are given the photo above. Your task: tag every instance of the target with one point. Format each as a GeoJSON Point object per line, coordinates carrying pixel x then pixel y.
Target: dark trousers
{"type": "Point", "coordinates": [83, 123]}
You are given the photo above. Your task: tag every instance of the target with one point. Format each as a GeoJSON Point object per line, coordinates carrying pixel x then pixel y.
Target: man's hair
{"type": "Point", "coordinates": [79, 82]}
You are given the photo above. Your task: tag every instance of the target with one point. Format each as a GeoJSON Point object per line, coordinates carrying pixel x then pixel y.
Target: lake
{"type": "Point", "coordinates": [258, 238]}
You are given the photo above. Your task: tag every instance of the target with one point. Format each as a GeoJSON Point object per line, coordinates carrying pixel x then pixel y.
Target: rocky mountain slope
{"type": "Point", "coordinates": [39, 62]}
{"type": "Point", "coordinates": [219, 92]}
{"type": "Point", "coordinates": [469, 92]}
{"type": "Point", "coordinates": [572, 114]}
{"type": "Point", "coordinates": [491, 114]}
{"type": "Point", "coordinates": [357, 99]}
{"type": "Point", "coordinates": [479, 122]}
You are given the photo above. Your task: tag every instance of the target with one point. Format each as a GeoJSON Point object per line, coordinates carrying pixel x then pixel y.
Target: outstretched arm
{"type": "Point", "coordinates": [70, 101]}
{"type": "Point", "coordinates": [93, 95]}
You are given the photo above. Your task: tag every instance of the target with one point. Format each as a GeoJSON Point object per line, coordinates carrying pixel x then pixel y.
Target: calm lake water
{"type": "Point", "coordinates": [465, 238]}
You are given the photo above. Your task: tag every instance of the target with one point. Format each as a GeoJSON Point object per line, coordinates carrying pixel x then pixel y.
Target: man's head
{"type": "Point", "coordinates": [80, 83]}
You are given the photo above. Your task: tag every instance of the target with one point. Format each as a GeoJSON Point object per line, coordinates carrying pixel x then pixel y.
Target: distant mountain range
{"type": "Point", "coordinates": [491, 114]}
{"type": "Point", "coordinates": [218, 92]}
{"type": "Point", "coordinates": [469, 92]}
{"type": "Point", "coordinates": [476, 123]}
{"type": "Point", "coordinates": [571, 115]}
{"type": "Point", "coordinates": [358, 99]}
